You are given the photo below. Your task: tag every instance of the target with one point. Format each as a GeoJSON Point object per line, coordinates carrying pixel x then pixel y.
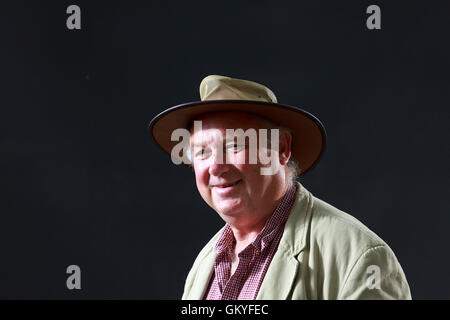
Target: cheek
{"type": "Point", "coordinates": [238, 159]}
{"type": "Point", "coordinates": [252, 174]}
{"type": "Point", "coordinates": [201, 177]}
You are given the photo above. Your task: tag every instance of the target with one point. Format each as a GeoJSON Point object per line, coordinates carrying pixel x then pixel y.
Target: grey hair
{"type": "Point", "coordinates": [293, 169]}
{"type": "Point", "coordinates": [293, 166]}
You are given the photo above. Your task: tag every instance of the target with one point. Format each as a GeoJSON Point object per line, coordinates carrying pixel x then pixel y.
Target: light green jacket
{"type": "Point", "coordinates": [324, 253]}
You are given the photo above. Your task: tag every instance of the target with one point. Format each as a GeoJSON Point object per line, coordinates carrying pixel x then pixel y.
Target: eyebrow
{"type": "Point", "coordinates": [197, 145]}
{"type": "Point", "coordinates": [227, 140]}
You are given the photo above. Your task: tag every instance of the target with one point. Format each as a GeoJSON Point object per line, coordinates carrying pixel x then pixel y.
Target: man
{"type": "Point", "coordinates": [279, 241]}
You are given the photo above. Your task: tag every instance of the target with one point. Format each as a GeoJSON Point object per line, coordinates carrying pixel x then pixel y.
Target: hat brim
{"type": "Point", "coordinates": [308, 133]}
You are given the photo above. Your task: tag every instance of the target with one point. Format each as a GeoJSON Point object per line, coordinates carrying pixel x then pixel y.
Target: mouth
{"type": "Point", "coordinates": [227, 185]}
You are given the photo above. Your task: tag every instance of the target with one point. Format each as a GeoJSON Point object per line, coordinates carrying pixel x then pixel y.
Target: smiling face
{"type": "Point", "coordinates": [226, 180]}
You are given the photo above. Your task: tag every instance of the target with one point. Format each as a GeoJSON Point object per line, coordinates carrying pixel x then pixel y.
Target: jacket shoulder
{"type": "Point", "coordinates": [345, 251]}
{"type": "Point", "coordinates": [331, 225]}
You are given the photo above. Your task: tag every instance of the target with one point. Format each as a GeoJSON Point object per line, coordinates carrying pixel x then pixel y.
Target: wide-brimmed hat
{"type": "Point", "coordinates": [219, 93]}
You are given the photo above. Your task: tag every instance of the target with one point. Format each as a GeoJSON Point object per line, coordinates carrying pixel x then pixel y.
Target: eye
{"type": "Point", "coordinates": [236, 147]}
{"type": "Point", "coordinates": [201, 153]}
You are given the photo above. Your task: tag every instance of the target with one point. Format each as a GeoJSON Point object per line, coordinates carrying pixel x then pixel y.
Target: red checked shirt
{"type": "Point", "coordinates": [254, 260]}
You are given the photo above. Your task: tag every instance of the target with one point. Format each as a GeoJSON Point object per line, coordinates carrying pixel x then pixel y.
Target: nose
{"type": "Point", "coordinates": [217, 167]}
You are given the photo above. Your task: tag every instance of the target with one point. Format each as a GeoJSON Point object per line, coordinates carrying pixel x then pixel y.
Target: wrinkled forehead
{"type": "Point", "coordinates": [229, 120]}
{"type": "Point", "coordinates": [212, 126]}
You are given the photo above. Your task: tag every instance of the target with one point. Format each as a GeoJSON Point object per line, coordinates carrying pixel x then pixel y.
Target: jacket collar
{"type": "Point", "coordinates": [285, 263]}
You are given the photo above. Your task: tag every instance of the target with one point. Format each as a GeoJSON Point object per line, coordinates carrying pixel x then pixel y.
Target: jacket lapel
{"type": "Point", "coordinates": [279, 279]}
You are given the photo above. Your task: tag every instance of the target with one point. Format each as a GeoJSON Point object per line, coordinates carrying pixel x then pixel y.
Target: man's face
{"type": "Point", "coordinates": [224, 177]}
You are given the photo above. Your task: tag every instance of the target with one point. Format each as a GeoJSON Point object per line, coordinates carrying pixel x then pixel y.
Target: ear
{"type": "Point", "coordinates": [285, 146]}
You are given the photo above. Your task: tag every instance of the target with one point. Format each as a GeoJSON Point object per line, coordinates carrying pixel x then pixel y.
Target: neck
{"type": "Point", "coordinates": [244, 235]}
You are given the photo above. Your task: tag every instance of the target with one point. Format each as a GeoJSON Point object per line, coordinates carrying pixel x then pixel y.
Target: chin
{"type": "Point", "coordinates": [229, 211]}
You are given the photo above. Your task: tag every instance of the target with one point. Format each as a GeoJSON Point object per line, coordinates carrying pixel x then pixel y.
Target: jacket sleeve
{"type": "Point", "coordinates": [376, 275]}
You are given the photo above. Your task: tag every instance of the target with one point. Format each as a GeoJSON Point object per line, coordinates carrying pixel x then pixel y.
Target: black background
{"type": "Point", "coordinates": [82, 183]}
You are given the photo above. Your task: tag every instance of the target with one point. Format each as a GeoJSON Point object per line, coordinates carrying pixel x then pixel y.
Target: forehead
{"type": "Point", "coordinates": [214, 125]}
{"type": "Point", "coordinates": [230, 120]}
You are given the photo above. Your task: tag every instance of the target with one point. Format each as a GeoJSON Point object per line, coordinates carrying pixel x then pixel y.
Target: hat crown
{"type": "Point", "coordinates": [216, 87]}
